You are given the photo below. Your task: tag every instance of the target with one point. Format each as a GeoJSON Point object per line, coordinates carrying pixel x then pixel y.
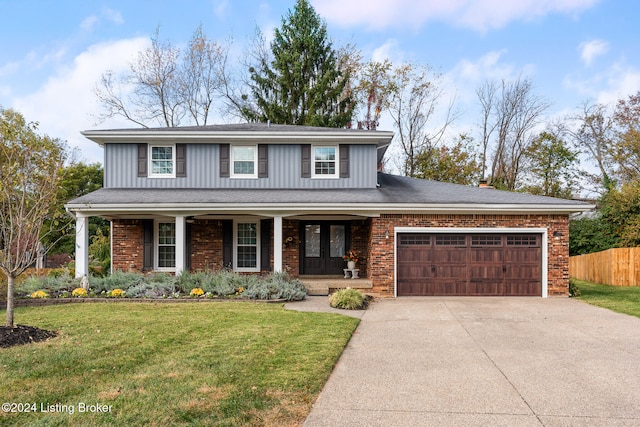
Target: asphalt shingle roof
{"type": "Point", "coordinates": [392, 190]}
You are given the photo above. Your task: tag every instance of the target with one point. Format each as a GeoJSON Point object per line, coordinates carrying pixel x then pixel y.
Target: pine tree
{"type": "Point", "coordinates": [302, 83]}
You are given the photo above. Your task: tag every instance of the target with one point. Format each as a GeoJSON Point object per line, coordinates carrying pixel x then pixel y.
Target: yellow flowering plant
{"type": "Point", "coordinates": [196, 292]}
{"type": "Point", "coordinates": [79, 293]}
{"type": "Point", "coordinates": [116, 293]}
{"type": "Point", "coordinates": [39, 294]}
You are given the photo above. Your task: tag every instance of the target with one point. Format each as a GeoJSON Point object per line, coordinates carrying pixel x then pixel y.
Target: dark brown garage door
{"type": "Point", "coordinates": [469, 264]}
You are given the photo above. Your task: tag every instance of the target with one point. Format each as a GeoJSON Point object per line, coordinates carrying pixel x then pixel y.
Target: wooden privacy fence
{"type": "Point", "coordinates": [617, 267]}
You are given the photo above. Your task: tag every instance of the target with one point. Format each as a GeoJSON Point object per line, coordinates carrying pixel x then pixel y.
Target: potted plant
{"type": "Point", "coordinates": [351, 258]}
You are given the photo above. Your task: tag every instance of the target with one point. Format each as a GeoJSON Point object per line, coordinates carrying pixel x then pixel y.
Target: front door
{"type": "Point", "coordinates": [325, 243]}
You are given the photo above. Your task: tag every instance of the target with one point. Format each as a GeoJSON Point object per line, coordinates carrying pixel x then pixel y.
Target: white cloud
{"type": "Point", "coordinates": [591, 49]}
{"type": "Point", "coordinates": [89, 22]}
{"type": "Point", "coordinates": [65, 104]}
{"type": "Point", "coordinates": [475, 14]}
{"type": "Point", "coordinates": [607, 87]}
{"type": "Point", "coordinates": [113, 16]}
{"type": "Point", "coordinates": [389, 50]}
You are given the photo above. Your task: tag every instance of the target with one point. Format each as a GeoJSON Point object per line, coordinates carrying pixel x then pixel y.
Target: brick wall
{"type": "Point", "coordinates": [381, 260]}
{"type": "Point", "coordinates": [128, 245]}
{"type": "Point", "coordinates": [291, 250]}
{"type": "Point", "coordinates": [206, 245]}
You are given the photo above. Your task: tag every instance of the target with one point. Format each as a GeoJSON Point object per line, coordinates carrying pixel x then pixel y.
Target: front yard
{"type": "Point", "coordinates": [623, 299]}
{"type": "Point", "coordinates": [216, 363]}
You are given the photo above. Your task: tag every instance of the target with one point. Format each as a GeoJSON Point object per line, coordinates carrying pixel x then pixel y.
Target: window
{"type": "Point", "coordinates": [243, 160]}
{"type": "Point", "coordinates": [246, 247]}
{"type": "Point", "coordinates": [325, 162]}
{"type": "Point", "coordinates": [166, 244]}
{"type": "Point", "coordinates": [162, 161]}
{"type": "Point", "coordinates": [450, 240]}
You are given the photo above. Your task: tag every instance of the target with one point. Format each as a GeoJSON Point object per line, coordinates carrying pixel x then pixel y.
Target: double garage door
{"type": "Point", "coordinates": [469, 264]}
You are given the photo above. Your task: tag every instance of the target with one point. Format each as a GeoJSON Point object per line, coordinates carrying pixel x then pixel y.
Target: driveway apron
{"type": "Point", "coordinates": [420, 361]}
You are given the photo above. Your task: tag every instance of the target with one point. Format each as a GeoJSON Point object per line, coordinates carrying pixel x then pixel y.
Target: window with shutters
{"type": "Point", "coordinates": [244, 161]}
{"type": "Point", "coordinates": [325, 162]}
{"type": "Point", "coordinates": [162, 159]}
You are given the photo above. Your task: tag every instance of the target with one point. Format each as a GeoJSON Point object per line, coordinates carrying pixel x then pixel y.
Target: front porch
{"type": "Point", "coordinates": [323, 285]}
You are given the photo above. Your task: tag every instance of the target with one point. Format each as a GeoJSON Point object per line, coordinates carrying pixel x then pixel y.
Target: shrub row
{"type": "Point", "coordinates": [222, 283]}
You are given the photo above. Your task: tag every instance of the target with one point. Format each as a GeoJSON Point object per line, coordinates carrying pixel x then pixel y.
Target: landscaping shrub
{"type": "Point", "coordinates": [348, 299]}
{"type": "Point", "coordinates": [276, 286]}
{"type": "Point", "coordinates": [574, 291]}
{"type": "Point", "coordinates": [223, 283]}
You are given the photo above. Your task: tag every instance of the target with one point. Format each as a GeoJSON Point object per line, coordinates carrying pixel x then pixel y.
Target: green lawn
{"type": "Point", "coordinates": [623, 299]}
{"type": "Point", "coordinates": [172, 364]}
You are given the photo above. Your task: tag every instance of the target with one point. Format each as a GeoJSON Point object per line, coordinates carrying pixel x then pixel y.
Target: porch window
{"type": "Point", "coordinates": [243, 160]}
{"type": "Point", "coordinates": [325, 163]}
{"type": "Point", "coordinates": [166, 238]}
{"type": "Point", "coordinates": [162, 161]}
{"type": "Point", "coordinates": [247, 246]}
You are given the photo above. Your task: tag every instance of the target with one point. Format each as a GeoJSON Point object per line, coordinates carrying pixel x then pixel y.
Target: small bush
{"type": "Point", "coordinates": [574, 291]}
{"type": "Point", "coordinates": [276, 286]}
{"type": "Point", "coordinates": [116, 293]}
{"type": "Point", "coordinates": [39, 294]}
{"type": "Point", "coordinates": [348, 299]}
{"type": "Point", "coordinates": [196, 292]}
{"type": "Point", "coordinates": [79, 293]}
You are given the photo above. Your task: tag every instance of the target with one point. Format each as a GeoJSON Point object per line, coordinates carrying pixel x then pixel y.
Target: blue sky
{"type": "Point", "coordinates": [53, 52]}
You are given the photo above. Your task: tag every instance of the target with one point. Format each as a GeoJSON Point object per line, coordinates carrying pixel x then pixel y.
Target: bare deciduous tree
{"type": "Point", "coordinates": [30, 170]}
{"type": "Point", "coordinates": [592, 131]}
{"type": "Point", "coordinates": [165, 86]}
{"type": "Point", "coordinates": [512, 111]}
{"type": "Point", "coordinates": [414, 96]}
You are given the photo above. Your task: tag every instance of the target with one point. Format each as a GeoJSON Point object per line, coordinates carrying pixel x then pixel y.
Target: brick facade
{"type": "Point", "coordinates": [381, 261]}
{"type": "Point", "coordinates": [206, 245]}
{"type": "Point", "coordinates": [368, 239]}
{"type": "Point", "coordinates": [127, 248]}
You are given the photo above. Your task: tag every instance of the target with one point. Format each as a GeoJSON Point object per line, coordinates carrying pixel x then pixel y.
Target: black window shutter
{"type": "Point", "coordinates": [181, 160]}
{"type": "Point", "coordinates": [224, 161]}
{"type": "Point", "coordinates": [265, 244]}
{"type": "Point", "coordinates": [263, 161]}
{"type": "Point", "coordinates": [147, 255]}
{"type": "Point", "coordinates": [142, 159]}
{"type": "Point", "coordinates": [227, 243]}
{"type": "Point", "coordinates": [344, 161]}
{"type": "Point", "coordinates": [306, 161]}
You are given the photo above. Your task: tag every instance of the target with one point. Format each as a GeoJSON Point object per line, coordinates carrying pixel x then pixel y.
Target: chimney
{"type": "Point", "coordinates": [483, 184]}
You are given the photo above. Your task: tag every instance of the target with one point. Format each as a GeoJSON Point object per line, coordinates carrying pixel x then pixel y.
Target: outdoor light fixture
{"type": "Point", "coordinates": [386, 234]}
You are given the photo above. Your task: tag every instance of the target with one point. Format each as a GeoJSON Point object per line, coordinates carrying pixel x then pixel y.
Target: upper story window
{"type": "Point", "coordinates": [162, 161]}
{"type": "Point", "coordinates": [244, 161]}
{"type": "Point", "coordinates": [325, 162]}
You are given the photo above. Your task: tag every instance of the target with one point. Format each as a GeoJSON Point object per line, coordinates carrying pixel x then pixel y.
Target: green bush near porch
{"type": "Point", "coordinates": [218, 284]}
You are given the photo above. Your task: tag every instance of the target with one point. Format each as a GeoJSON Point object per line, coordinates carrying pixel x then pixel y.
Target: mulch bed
{"type": "Point", "coordinates": [21, 334]}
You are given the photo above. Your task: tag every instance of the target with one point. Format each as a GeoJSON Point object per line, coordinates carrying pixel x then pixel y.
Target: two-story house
{"type": "Point", "coordinates": [260, 197]}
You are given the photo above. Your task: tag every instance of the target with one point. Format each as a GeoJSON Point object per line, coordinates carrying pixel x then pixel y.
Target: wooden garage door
{"type": "Point", "coordinates": [469, 264]}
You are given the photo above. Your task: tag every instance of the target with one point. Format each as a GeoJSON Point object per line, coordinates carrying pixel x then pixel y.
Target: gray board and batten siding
{"type": "Point", "coordinates": [203, 169]}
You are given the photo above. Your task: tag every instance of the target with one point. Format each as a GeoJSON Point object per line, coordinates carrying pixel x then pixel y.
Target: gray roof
{"type": "Point", "coordinates": [393, 192]}
{"type": "Point", "coordinates": [238, 127]}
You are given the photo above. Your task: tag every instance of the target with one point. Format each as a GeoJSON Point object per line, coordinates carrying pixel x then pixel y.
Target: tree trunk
{"type": "Point", "coordinates": [10, 285]}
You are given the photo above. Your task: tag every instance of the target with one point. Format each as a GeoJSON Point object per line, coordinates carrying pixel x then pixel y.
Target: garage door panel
{"type": "Point", "coordinates": [472, 264]}
{"type": "Point", "coordinates": [488, 287]}
{"type": "Point", "coordinates": [522, 288]}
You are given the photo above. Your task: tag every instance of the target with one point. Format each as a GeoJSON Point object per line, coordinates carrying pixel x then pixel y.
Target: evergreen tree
{"type": "Point", "coordinates": [302, 82]}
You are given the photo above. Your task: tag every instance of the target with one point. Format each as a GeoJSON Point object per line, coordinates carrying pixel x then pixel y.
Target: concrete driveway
{"type": "Point", "coordinates": [486, 362]}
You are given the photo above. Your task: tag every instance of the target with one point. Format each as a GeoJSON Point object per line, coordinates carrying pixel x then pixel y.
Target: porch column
{"type": "Point", "coordinates": [82, 245]}
{"type": "Point", "coordinates": [180, 244]}
{"type": "Point", "coordinates": [277, 244]}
